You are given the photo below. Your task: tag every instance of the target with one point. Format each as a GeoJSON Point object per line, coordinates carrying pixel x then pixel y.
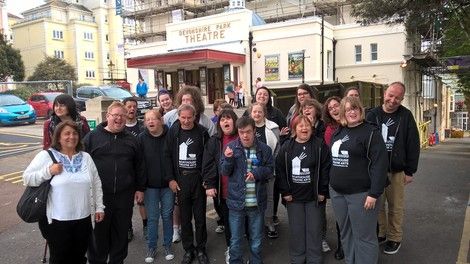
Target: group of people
{"type": "Point", "coordinates": [178, 157]}
{"type": "Point", "coordinates": [235, 94]}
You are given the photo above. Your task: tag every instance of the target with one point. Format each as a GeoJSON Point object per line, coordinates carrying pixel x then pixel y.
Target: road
{"type": "Point", "coordinates": [436, 205]}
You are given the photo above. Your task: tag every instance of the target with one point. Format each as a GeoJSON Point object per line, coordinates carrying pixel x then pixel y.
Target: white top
{"type": "Point", "coordinates": [75, 179]}
{"type": "Point", "coordinates": [38, 172]}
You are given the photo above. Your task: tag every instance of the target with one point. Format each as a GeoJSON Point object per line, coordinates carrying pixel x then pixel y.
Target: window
{"type": "Point", "coordinates": [90, 74]}
{"type": "Point", "coordinates": [107, 56]}
{"type": "Point", "coordinates": [88, 35]}
{"type": "Point", "coordinates": [107, 37]}
{"type": "Point", "coordinates": [373, 52]}
{"type": "Point", "coordinates": [89, 55]}
{"type": "Point", "coordinates": [57, 34]}
{"type": "Point", "coordinates": [358, 52]}
{"type": "Point", "coordinates": [59, 54]}
{"type": "Point", "coordinates": [329, 64]}
{"type": "Point", "coordinates": [82, 17]}
{"type": "Point", "coordinates": [105, 19]}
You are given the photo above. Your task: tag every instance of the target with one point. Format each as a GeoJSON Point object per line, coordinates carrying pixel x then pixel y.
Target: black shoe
{"type": "Point", "coordinates": [202, 258]}
{"type": "Point", "coordinates": [276, 220]}
{"type": "Point", "coordinates": [188, 257]}
{"type": "Point", "coordinates": [382, 240]}
{"type": "Point", "coordinates": [272, 233]}
{"type": "Point", "coordinates": [339, 253]}
{"type": "Point", "coordinates": [392, 247]}
{"type": "Point", "coordinates": [130, 234]}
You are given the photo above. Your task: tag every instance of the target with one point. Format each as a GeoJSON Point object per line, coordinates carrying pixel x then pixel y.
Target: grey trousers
{"type": "Point", "coordinates": [357, 227]}
{"type": "Point", "coordinates": [305, 232]}
{"type": "Point", "coordinates": [268, 213]}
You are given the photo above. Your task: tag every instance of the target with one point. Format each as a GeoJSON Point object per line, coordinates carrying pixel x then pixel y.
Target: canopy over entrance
{"type": "Point", "coordinates": [186, 60]}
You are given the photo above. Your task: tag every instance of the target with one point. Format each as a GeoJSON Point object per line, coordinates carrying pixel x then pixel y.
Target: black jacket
{"type": "Point", "coordinates": [406, 148]}
{"type": "Point", "coordinates": [171, 149]}
{"type": "Point", "coordinates": [117, 158]}
{"type": "Point", "coordinates": [210, 163]}
{"type": "Point", "coordinates": [153, 158]}
{"type": "Point", "coordinates": [320, 179]}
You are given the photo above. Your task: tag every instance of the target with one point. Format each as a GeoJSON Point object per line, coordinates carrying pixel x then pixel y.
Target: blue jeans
{"type": "Point", "coordinates": [159, 201]}
{"type": "Point", "coordinates": [255, 228]}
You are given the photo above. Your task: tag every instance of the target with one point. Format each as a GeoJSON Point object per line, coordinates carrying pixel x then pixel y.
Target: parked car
{"type": "Point", "coordinates": [13, 110]}
{"type": "Point", "coordinates": [85, 93]}
{"type": "Point", "coordinates": [43, 103]}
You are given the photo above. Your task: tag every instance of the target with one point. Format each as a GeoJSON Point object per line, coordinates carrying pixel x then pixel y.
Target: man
{"type": "Point", "coordinates": [190, 95]}
{"type": "Point", "coordinates": [184, 148]}
{"type": "Point", "coordinates": [401, 137]}
{"type": "Point", "coordinates": [118, 160]}
{"type": "Point", "coordinates": [134, 127]}
{"type": "Point", "coordinates": [248, 163]}
{"type": "Point", "coordinates": [141, 88]}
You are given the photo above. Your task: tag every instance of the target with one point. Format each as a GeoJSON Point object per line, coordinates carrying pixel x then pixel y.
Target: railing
{"type": "Point", "coordinates": [423, 134]}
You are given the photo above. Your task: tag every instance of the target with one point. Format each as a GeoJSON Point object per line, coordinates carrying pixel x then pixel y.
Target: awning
{"type": "Point", "coordinates": [186, 60]}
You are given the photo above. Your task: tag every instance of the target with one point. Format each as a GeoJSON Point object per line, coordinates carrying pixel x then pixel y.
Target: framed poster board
{"type": "Point", "coordinates": [295, 65]}
{"type": "Point", "coordinates": [271, 68]}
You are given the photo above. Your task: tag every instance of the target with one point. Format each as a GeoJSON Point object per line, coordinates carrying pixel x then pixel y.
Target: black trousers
{"type": "Point", "coordinates": [224, 210]}
{"type": "Point", "coordinates": [218, 210]}
{"type": "Point", "coordinates": [67, 240]}
{"type": "Point", "coordinates": [192, 202]}
{"type": "Point", "coordinates": [109, 238]}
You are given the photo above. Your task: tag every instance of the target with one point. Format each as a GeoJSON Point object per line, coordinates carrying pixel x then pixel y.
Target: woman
{"type": "Point", "coordinates": [267, 132]}
{"type": "Point", "coordinates": [303, 93]}
{"type": "Point", "coordinates": [263, 96]}
{"type": "Point", "coordinates": [216, 185]}
{"type": "Point", "coordinates": [75, 195]}
{"type": "Point", "coordinates": [159, 199]}
{"type": "Point", "coordinates": [166, 104]}
{"type": "Point", "coordinates": [303, 163]}
{"type": "Point", "coordinates": [358, 177]}
{"type": "Point", "coordinates": [64, 109]}
{"type": "Point", "coordinates": [352, 91]}
{"type": "Point", "coordinates": [312, 109]}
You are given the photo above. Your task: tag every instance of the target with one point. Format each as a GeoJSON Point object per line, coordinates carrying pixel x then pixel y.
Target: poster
{"type": "Point", "coordinates": [271, 68]}
{"type": "Point", "coordinates": [295, 65]}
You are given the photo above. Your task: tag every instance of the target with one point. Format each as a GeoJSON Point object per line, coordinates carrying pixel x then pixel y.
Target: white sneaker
{"type": "Point", "coordinates": [151, 253]}
{"type": "Point", "coordinates": [227, 256]}
{"type": "Point", "coordinates": [176, 236]}
{"type": "Point", "coordinates": [324, 246]}
{"type": "Point", "coordinates": [169, 254]}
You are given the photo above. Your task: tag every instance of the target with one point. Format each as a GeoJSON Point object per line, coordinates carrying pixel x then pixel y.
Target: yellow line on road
{"type": "Point", "coordinates": [19, 134]}
{"type": "Point", "coordinates": [12, 147]}
{"type": "Point", "coordinates": [10, 174]}
{"type": "Point", "coordinates": [14, 178]}
{"type": "Point", "coordinates": [18, 181]}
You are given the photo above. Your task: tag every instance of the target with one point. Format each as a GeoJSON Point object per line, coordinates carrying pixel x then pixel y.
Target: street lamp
{"type": "Point", "coordinates": [111, 67]}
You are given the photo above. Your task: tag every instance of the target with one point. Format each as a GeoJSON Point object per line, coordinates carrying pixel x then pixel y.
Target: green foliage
{"type": "Point", "coordinates": [53, 69]}
{"type": "Point", "coordinates": [23, 91]}
{"type": "Point", "coordinates": [11, 63]}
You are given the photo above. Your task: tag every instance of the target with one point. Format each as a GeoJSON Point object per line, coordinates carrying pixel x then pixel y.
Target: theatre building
{"type": "Point", "coordinates": [318, 43]}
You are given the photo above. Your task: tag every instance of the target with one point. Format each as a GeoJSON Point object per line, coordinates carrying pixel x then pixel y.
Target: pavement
{"type": "Point", "coordinates": [436, 225]}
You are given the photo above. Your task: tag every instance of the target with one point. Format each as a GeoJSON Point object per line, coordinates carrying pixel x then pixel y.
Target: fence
{"type": "Point", "coordinates": [25, 89]}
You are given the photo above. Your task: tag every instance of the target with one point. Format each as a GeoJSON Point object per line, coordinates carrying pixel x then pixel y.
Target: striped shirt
{"type": "Point", "coordinates": [251, 163]}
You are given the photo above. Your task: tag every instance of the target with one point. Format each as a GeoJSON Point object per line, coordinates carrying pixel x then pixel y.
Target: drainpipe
{"type": "Point", "coordinates": [250, 45]}
{"type": "Point", "coordinates": [334, 59]}
{"type": "Point", "coordinates": [322, 49]}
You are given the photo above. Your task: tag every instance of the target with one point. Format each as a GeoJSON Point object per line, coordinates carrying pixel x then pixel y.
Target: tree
{"type": "Point", "coordinates": [53, 69]}
{"type": "Point", "coordinates": [11, 64]}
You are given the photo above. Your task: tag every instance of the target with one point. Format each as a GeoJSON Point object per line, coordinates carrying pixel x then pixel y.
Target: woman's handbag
{"type": "Point", "coordinates": [32, 205]}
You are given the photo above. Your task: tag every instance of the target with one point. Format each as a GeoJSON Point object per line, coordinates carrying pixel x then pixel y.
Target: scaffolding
{"type": "Point", "coordinates": [145, 20]}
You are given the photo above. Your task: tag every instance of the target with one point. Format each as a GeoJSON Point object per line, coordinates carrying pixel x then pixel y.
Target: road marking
{"type": "Point", "coordinates": [465, 241]}
{"type": "Point", "coordinates": [18, 181]}
{"type": "Point", "coordinates": [19, 134]}
{"type": "Point", "coordinates": [14, 178]}
{"type": "Point", "coordinates": [9, 174]}
{"type": "Point", "coordinates": [15, 151]}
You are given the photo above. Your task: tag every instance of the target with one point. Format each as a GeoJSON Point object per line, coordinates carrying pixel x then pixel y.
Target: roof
{"type": "Point", "coordinates": [58, 3]}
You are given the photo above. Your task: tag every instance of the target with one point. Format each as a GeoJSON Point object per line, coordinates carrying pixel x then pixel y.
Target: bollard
{"type": "Point", "coordinates": [436, 138]}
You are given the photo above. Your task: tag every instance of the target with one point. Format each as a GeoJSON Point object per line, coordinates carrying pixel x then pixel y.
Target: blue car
{"type": "Point", "coordinates": [13, 111]}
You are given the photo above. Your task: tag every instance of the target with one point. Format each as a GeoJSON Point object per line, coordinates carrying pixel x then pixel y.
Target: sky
{"type": "Point", "coordinates": [17, 6]}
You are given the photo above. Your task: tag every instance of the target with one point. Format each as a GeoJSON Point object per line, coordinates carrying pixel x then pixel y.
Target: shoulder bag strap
{"type": "Point", "coordinates": [52, 156]}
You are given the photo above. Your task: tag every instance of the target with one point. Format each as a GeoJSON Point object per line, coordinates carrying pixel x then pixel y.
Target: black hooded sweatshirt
{"type": "Point", "coordinates": [152, 153]}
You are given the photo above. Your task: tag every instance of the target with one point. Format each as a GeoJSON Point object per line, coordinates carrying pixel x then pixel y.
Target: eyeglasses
{"type": "Point", "coordinates": [349, 110]}
{"type": "Point", "coordinates": [333, 107]}
{"type": "Point", "coordinates": [116, 115]}
{"type": "Point", "coordinates": [302, 93]}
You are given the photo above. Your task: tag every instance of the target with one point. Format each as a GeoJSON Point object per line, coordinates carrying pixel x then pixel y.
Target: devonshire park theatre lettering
{"type": "Point", "coordinates": [205, 33]}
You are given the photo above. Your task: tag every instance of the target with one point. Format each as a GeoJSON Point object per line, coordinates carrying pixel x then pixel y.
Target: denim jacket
{"type": "Point", "coordinates": [235, 167]}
